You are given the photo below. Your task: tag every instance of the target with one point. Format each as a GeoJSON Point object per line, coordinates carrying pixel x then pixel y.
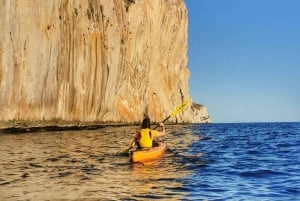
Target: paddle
{"type": "Point", "coordinates": [174, 113]}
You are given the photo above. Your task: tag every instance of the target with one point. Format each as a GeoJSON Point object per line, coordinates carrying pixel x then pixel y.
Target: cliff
{"type": "Point", "coordinates": [95, 61]}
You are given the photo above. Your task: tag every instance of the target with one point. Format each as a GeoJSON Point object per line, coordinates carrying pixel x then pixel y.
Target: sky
{"type": "Point", "coordinates": [244, 59]}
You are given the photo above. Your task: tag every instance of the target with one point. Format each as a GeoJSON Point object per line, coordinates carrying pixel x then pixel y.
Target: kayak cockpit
{"type": "Point", "coordinates": [149, 154]}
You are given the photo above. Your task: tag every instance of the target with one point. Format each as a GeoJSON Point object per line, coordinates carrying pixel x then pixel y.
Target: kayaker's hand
{"type": "Point", "coordinates": [161, 125]}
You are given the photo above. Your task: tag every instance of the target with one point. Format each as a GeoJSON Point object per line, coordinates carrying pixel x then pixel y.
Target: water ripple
{"type": "Point", "coordinates": [256, 161]}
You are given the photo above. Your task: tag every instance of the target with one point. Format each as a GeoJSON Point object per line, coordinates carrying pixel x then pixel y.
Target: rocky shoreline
{"type": "Point", "coordinates": [34, 126]}
{"type": "Point", "coordinates": [18, 128]}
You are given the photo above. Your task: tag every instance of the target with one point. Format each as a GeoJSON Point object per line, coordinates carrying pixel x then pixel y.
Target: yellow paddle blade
{"type": "Point", "coordinates": [179, 108]}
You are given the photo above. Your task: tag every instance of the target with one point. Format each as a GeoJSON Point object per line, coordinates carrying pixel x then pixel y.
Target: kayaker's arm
{"type": "Point", "coordinates": [132, 143]}
{"type": "Point", "coordinates": [163, 130]}
{"type": "Point", "coordinates": [134, 140]}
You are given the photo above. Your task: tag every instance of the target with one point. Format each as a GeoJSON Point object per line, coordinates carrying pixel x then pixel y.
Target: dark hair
{"type": "Point", "coordinates": [146, 122]}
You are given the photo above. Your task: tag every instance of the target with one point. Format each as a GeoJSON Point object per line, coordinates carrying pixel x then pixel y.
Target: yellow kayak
{"type": "Point", "coordinates": [146, 155]}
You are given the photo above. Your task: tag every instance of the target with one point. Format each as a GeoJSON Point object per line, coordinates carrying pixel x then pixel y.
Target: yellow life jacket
{"type": "Point", "coordinates": [146, 138]}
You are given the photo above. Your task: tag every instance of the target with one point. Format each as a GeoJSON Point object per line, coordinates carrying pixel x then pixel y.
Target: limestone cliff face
{"type": "Point", "coordinates": [93, 61]}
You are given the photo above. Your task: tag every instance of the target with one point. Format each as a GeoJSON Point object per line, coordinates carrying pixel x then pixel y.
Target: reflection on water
{"type": "Point", "coordinates": [84, 165]}
{"type": "Point", "coordinates": [240, 162]}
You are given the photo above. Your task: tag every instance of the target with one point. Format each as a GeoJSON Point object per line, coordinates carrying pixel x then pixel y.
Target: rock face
{"type": "Point", "coordinates": [93, 61]}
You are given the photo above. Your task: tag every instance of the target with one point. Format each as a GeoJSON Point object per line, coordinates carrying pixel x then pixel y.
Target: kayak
{"type": "Point", "coordinates": [146, 155]}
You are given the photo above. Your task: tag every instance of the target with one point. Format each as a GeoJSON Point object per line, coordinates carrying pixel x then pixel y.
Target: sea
{"type": "Point", "coordinates": [230, 161]}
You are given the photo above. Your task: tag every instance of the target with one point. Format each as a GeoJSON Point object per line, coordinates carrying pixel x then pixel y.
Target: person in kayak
{"type": "Point", "coordinates": [145, 137]}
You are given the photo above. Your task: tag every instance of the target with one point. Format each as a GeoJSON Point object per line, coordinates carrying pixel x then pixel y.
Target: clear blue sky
{"type": "Point", "coordinates": [244, 59]}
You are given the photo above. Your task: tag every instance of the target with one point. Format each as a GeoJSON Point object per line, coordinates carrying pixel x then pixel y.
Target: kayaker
{"type": "Point", "coordinates": [145, 137]}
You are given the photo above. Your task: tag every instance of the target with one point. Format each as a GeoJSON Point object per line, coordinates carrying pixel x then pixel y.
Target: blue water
{"type": "Point", "coordinates": [247, 161]}
{"type": "Point", "coordinates": [253, 161]}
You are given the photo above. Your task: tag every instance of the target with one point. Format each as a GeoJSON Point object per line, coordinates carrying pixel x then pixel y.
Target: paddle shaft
{"type": "Point", "coordinates": [166, 119]}
{"type": "Point", "coordinates": [176, 111]}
